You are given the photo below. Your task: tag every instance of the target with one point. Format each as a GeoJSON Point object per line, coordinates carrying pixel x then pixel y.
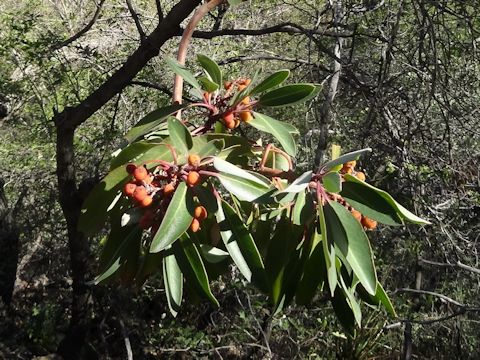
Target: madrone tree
{"type": "Point", "coordinates": [198, 187]}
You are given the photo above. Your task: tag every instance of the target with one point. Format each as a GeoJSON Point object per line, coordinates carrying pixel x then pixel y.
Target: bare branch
{"type": "Point", "coordinates": [83, 31]}
{"type": "Point", "coordinates": [425, 292]}
{"type": "Point", "coordinates": [458, 265]}
{"type": "Point", "coordinates": [159, 10]}
{"type": "Point", "coordinates": [136, 20]}
{"type": "Point", "coordinates": [158, 87]}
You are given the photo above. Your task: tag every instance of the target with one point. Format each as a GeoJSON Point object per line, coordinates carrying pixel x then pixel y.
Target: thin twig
{"type": "Point", "coordinates": [83, 31]}
{"type": "Point", "coordinates": [458, 265]}
{"type": "Point", "coordinates": [136, 20]}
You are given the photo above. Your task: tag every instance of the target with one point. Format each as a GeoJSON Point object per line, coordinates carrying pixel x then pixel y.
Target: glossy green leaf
{"type": "Point", "coordinates": [354, 155]}
{"type": "Point", "coordinates": [121, 254]}
{"type": "Point", "coordinates": [314, 274]}
{"type": "Point", "coordinates": [212, 148]}
{"type": "Point", "coordinates": [173, 282]}
{"type": "Point", "coordinates": [151, 121]}
{"type": "Point", "coordinates": [286, 95]}
{"type": "Point", "coordinates": [182, 71]}
{"type": "Point", "coordinates": [176, 221]}
{"type": "Point", "coordinates": [207, 84]}
{"type": "Point", "coordinates": [213, 254]}
{"type": "Point", "coordinates": [352, 301]}
{"type": "Point", "coordinates": [300, 183]}
{"type": "Point", "coordinates": [370, 203]}
{"type": "Point", "coordinates": [382, 296]}
{"type": "Point", "coordinates": [191, 264]}
{"type": "Point", "coordinates": [271, 81]}
{"type": "Point", "coordinates": [141, 152]}
{"type": "Point", "coordinates": [179, 135]}
{"type": "Point", "coordinates": [240, 245]}
{"type": "Point", "coordinates": [328, 251]}
{"type": "Point", "coordinates": [401, 211]}
{"type": "Point", "coordinates": [211, 68]}
{"type": "Point", "coordinates": [348, 235]}
{"type": "Point", "coordinates": [277, 129]}
{"type": "Point", "coordinates": [280, 250]}
{"type": "Point", "coordinates": [332, 182]}
{"type": "Point", "coordinates": [343, 312]}
{"type": "Point", "coordinates": [277, 161]}
{"type": "Point", "coordinates": [243, 184]}
{"type": "Point", "coordinates": [95, 208]}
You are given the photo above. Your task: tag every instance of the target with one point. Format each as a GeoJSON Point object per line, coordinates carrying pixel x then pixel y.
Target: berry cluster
{"type": "Point", "coordinates": [232, 117]}
{"type": "Point", "coordinates": [152, 190]}
{"type": "Point", "coordinates": [349, 168]}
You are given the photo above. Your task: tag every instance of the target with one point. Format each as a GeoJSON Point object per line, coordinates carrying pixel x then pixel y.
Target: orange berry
{"type": "Point", "coordinates": [237, 122]}
{"type": "Point", "coordinates": [351, 164]}
{"type": "Point", "coordinates": [357, 215]}
{"type": "Point", "coordinates": [200, 213]}
{"type": "Point", "coordinates": [247, 81]}
{"type": "Point", "coordinates": [140, 193]}
{"type": "Point", "coordinates": [347, 170]}
{"type": "Point", "coordinates": [168, 189]}
{"type": "Point", "coordinates": [129, 189]}
{"type": "Point", "coordinates": [148, 180]}
{"type": "Point", "coordinates": [140, 173]}
{"type": "Point", "coordinates": [241, 87]}
{"type": "Point", "coordinates": [193, 160]}
{"type": "Point", "coordinates": [195, 225]}
{"type": "Point", "coordinates": [230, 124]}
{"type": "Point", "coordinates": [147, 201]}
{"type": "Point", "coordinates": [369, 223]}
{"type": "Point", "coordinates": [360, 175]}
{"type": "Point", "coordinates": [131, 168]}
{"type": "Point", "coordinates": [228, 117]}
{"type": "Point", "coordinates": [246, 100]}
{"type": "Point", "coordinates": [193, 178]}
{"type": "Point", "coordinates": [227, 85]}
{"type": "Point", "coordinates": [246, 116]}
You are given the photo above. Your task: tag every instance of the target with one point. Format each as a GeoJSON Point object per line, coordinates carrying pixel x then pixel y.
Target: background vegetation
{"type": "Point", "coordinates": [402, 77]}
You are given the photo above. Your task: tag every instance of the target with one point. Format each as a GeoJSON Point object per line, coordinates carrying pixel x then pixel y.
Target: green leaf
{"type": "Point", "coordinates": [121, 254]}
{"type": "Point", "coordinates": [280, 250]}
{"type": "Point", "coordinates": [286, 95]}
{"type": "Point", "coordinates": [243, 184]}
{"type": "Point", "coordinates": [328, 251]}
{"type": "Point", "coordinates": [192, 266]}
{"type": "Point", "coordinates": [213, 254]}
{"type": "Point", "coordinates": [332, 182]}
{"type": "Point", "coordinates": [151, 121]}
{"type": "Point", "coordinates": [173, 281]}
{"type": "Point", "coordinates": [277, 161]}
{"type": "Point", "coordinates": [271, 81]}
{"type": "Point", "coordinates": [370, 203]}
{"type": "Point", "coordinates": [299, 184]}
{"type": "Point", "coordinates": [382, 296]}
{"type": "Point", "coordinates": [95, 208]}
{"type": "Point", "coordinates": [183, 72]}
{"type": "Point", "coordinates": [179, 135]}
{"type": "Point", "coordinates": [343, 312]}
{"type": "Point", "coordinates": [401, 211]}
{"type": "Point", "coordinates": [352, 301]}
{"type": "Point", "coordinates": [207, 84]}
{"type": "Point", "coordinates": [314, 274]}
{"type": "Point", "coordinates": [140, 152]}
{"type": "Point", "coordinates": [240, 245]}
{"type": "Point", "coordinates": [212, 148]}
{"type": "Point", "coordinates": [348, 235]}
{"type": "Point", "coordinates": [354, 155]}
{"type": "Point", "coordinates": [278, 129]}
{"type": "Point", "coordinates": [211, 68]}
{"type": "Point", "coordinates": [176, 221]}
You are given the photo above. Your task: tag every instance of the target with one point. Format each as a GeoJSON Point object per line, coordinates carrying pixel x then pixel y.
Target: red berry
{"type": "Point", "coordinates": [129, 189]}
{"type": "Point", "coordinates": [140, 173]}
{"type": "Point", "coordinates": [140, 193]}
{"type": "Point", "coordinates": [131, 168]}
{"type": "Point", "coordinates": [200, 213]}
{"type": "Point", "coordinates": [195, 225]}
{"type": "Point", "coordinates": [193, 178]}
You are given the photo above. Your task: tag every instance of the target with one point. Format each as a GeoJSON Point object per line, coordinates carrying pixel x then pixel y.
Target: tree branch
{"type": "Point", "coordinates": [81, 32]}
{"type": "Point", "coordinates": [159, 10]}
{"type": "Point", "coordinates": [136, 20]}
{"type": "Point", "coordinates": [458, 265]}
{"type": "Point", "coordinates": [72, 117]}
